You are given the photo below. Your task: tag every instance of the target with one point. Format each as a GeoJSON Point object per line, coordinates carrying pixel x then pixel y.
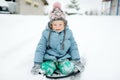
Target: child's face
{"type": "Point", "coordinates": [58, 25]}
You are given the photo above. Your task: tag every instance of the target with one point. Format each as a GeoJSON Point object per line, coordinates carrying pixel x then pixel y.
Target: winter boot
{"type": "Point", "coordinates": [49, 67]}
{"type": "Point", "coordinates": [66, 67]}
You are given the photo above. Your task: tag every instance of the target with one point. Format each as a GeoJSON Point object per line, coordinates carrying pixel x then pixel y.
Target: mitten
{"type": "Point", "coordinates": [78, 65]}
{"type": "Point", "coordinates": [36, 69]}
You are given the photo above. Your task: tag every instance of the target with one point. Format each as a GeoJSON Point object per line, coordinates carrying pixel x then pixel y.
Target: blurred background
{"type": "Point", "coordinates": [95, 25]}
{"type": "Point", "coordinates": [71, 7]}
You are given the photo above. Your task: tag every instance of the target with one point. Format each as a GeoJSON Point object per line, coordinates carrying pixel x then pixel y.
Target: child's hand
{"type": "Point", "coordinates": [78, 65]}
{"type": "Point", "coordinates": [76, 62]}
{"type": "Point", "coordinates": [37, 70]}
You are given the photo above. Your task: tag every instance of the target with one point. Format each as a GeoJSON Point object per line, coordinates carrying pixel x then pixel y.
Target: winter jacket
{"type": "Point", "coordinates": [55, 52]}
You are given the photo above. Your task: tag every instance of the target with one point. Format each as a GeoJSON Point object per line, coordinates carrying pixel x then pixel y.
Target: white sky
{"type": "Point", "coordinates": [84, 4]}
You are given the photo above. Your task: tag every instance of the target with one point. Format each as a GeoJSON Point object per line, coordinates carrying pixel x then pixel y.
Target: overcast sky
{"type": "Point", "coordinates": [84, 4]}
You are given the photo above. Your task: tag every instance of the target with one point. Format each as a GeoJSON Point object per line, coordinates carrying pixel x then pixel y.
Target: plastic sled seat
{"type": "Point", "coordinates": [57, 75]}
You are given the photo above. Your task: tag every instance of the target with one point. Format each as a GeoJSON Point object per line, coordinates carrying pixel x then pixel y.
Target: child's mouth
{"type": "Point", "coordinates": [58, 29]}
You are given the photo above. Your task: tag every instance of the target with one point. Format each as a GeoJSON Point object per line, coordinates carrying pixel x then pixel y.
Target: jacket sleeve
{"type": "Point", "coordinates": [74, 52]}
{"type": "Point", "coordinates": [40, 50]}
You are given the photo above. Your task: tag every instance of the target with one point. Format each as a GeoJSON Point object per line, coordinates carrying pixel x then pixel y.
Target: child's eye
{"type": "Point", "coordinates": [54, 24]}
{"type": "Point", "coordinates": [60, 24]}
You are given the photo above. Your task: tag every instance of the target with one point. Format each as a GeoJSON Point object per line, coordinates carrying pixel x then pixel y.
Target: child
{"type": "Point", "coordinates": [57, 49]}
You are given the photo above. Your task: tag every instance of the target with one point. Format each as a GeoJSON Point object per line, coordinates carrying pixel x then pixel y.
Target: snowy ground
{"type": "Point", "coordinates": [98, 39]}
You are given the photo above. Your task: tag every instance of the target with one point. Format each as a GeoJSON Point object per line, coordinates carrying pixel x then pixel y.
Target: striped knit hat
{"type": "Point", "coordinates": [57, 13]}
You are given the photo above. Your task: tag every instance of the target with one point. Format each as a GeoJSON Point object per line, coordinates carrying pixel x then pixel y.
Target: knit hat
{"type": "Point", "coordinates": [57, 13]}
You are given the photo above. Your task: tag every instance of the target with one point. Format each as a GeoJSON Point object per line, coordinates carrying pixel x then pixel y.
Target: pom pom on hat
{"type": "Point", "coordinates": [57, 12]}
{"type": "Point", "coordinates": [57, 5]}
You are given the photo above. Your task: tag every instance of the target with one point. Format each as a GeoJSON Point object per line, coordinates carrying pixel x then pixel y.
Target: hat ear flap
{"type": "Point", "coordinates": [65, 22]}
{"type": "Point", "coordinates": [50, 25]}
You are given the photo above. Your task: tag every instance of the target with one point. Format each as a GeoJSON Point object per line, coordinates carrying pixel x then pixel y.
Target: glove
{"type": "Point", "coordinates": [37, 70]}
{"type": "Point", "coordinates": [78, 65]}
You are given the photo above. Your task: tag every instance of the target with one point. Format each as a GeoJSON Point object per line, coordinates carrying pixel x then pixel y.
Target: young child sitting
{"type": "Point", "coordinates": [57, 48]}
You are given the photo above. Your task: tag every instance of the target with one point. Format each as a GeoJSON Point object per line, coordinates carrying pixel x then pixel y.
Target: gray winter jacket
{"type": "Point", "coordinates": [55, 52]}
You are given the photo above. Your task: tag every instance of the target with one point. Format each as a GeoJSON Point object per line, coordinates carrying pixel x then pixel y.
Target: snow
{"type": "Point", "coordinates": [98, 39]}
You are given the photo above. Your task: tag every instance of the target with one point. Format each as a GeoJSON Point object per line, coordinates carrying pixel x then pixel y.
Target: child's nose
{"type": "Point", "coordinates": [58, 26]}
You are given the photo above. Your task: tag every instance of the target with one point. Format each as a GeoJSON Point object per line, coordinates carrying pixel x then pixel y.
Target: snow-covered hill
{"type": "Point", "coordinates": [98, 39]}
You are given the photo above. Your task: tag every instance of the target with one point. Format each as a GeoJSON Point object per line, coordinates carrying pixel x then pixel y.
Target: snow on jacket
{"type": "Point", "coordinates": [55, 52]}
